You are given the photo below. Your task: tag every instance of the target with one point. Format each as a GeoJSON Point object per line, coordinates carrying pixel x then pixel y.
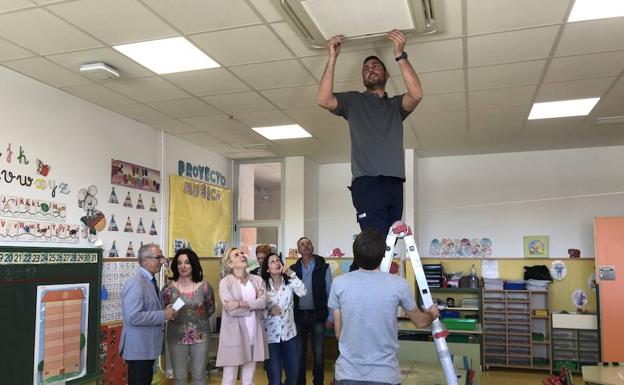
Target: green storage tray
{"type": "Point", "coordinates": [460, 323]}
{"type": "Point", "coordinates": [570, 364]}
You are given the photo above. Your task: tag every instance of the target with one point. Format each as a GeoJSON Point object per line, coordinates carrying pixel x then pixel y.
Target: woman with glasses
{"type": "Point", "coordinates": [242, 341]}
{"type": "Point", "coordinates": [188, 333]}
{"type": "Point", "coordinates": [282, 285]}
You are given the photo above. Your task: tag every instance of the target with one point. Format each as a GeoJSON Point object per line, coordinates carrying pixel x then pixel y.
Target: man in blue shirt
{"type": "Point", "coordinates": [312, 316]}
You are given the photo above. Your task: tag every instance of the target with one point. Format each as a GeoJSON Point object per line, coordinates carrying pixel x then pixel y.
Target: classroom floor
{"type": "Point", "coordinates": [491, 377]}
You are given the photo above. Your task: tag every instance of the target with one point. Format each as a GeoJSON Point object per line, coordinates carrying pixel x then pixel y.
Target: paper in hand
{"type": "Point", "coordinates": [177, 305]}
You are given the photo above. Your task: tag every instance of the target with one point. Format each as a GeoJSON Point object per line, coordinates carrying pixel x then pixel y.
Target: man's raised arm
{"type": "Point", "coordinates": [325, 97]}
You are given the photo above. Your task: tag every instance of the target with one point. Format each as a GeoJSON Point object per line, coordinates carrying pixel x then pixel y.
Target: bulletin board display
{"type": "Point", "coordinates": [41, 289]}
{"type": "Point", "coordinates": [115, 272]}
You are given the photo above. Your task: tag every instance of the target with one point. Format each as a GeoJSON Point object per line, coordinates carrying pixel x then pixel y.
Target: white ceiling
{"type": "Point", "coordinates": [480, 77]}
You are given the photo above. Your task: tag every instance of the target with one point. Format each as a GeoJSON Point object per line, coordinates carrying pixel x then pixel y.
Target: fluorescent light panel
{"type": "Point", "coordinates": [596, 9]}
{"type": "Point", "coordinates": [166, 56]}
{"type": "Point", "coordinates": [290, 131]}
{"type": "Point", "coordinates": [562, 108]}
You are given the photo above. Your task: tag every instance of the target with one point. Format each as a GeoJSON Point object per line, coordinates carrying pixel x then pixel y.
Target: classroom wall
{"type": "Point", "coordinates": [500, 196]}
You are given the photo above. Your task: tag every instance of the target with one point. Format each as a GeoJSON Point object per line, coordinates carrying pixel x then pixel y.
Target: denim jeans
{"type": "Point", "coordinates": [284, 354]}
{"type": "Point", "coordinates": [307, 327]}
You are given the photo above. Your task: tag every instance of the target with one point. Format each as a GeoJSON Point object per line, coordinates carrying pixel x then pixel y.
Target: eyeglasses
{"type": "Point", "coordinates": [157, 257]}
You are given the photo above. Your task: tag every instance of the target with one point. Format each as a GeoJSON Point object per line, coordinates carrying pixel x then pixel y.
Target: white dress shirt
{"type": "Point", "coordinates": [282, 327]}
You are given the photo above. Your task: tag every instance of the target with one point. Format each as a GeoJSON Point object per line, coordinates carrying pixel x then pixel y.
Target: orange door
{"type": "Point", "coordinates": [609, 238]}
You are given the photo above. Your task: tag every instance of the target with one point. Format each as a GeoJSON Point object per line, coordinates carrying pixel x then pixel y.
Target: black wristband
{"type": "Point", "coordinates": [402, 56]}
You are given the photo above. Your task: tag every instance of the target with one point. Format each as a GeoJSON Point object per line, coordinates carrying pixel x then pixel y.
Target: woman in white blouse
{"type": "Point", "coordinates": [279, 322]}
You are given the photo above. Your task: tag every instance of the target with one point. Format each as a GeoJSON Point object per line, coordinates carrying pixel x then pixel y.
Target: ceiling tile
{"type": "Point", "coordinates": [146, 89]}
{"type": "Point", "coordinates": [437, 120]}
{"type": "Point", "coordinates": [452, 23]}
{"type": "Point", "coordinates": [609, 106]}
{"type": "Point", "coordinates": [294, 41]}
{"type": "Point", "coordinates": [51, 34]}
{"type": "Point", "coordinates": [592, 36]}
{"type": "Point", "coordinates": [486, 143]}
{"type": "Point", "coordinates": [348, 65]}
{"type": "Point", "coordinates": [499, 120]}
{"type": "Point", "coordinates": [286, 73]}
{"type": "Point", "coordinates": [173, 126]}
{"type": "Point", "coordinates": [191, 16]}
{"type": "Point", "coordinates": [13, 5]}
{"type": "Point", "coordinates": [47, 72]}
{"type": "Point", "coordinates": [354, 85]}
{"type": "Point", "coordinates": [442, 137]}
{"type": "Point", "coordinates": [208, 82]}
{"type": "Point", "coordinates": [214, 123]}
{"type": "Point", "coordinates": [268, 10]}
{"type": "Point", "coordinates": [585, 66]}
{"type": "Point", "coordinates": [618, 89]}
{"type": "Point", "coordinates": [438, 82]}
{"type": "Point", "coordinates": [98, 94]}
{"type": "Point", "coordinates": [502, 97]}
{"type": "Point", "coordinates": [576, 89]}
{"type": "Point", "coordinates": [114, 21]}
{"type": "Point", "coordinates": [242, 45]}
{"type": "Point", "coordinates": [240, 102]}
{"type": "Point", "coordinates": [239, 137]}
{"type": "Point", "coordinates": [441, 102]}
{"type": "Point", "coordinates": [248, 154]}
{"type": "Point", "coordinates": [512, 46]}
{"type": "Point", "coordinates": [263, 118]}
{"type": "Point", "coordinates": [199, 139]}
{"type": "Point", "coordinates": [591, 135]}
{"type": "Point", "coordinates": [505, 75]}
{"type": "Point", "coordinates": [183, 108]}
{"type": "Point", "coordinates": [293, 97]}
{"type": "Point", "coordinates": [322, 124]}
{"type": "Point", "coordinates": [127, 68]}
{"type": "Point", "coordinates": [139, 112]}
{"type": "Point", "coordinates": [511, 14]}
{"type": "Point", "coordinates": [9, 51]}
{"type": "Point", "coordinates": [429, 56]}
{"type": "Point", "coordinates": [552, 130]}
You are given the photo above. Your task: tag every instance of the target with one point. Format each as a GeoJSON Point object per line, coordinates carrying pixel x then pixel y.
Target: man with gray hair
{"type": "Point", "coordinates": [143, 317]}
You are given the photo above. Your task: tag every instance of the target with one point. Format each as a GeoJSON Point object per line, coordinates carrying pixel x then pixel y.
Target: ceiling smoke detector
{"type": "Point", "coordinates": [99, 71]}
{"type": "Point", "coordinates": [361, 20]}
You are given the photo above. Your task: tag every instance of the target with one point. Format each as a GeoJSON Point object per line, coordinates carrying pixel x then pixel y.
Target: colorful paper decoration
{"type": "Point", "coordinates": [153, 207]}
{"type": "Point", "coordinates": [112, 226]}
{"type": "Point", "coordinates": [128, 200]}
{"type": "Point", "coordinates": [130, 251]}
{"type": "Point", "coordinates": [153, 229]}
{"type": "Point", "coordinates": [140, 204]}
{"type": "Point", "coordinates": [140, 228]}
{"type": "Point", "coordinates": [536, 246]}
{"type": "Point", "coordinates": [113, 251]}
{"type": "Point", "coordinates": [128, 228]}
{"type": "Point", "coordinates": [135, 176]}
{"type": "Point", "coordinates": [113, 197]}
{"type": "Point", "coordinates": [558, 270]}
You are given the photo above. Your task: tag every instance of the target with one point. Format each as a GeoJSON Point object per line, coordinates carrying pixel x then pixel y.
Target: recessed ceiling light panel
{"type": "Point", "coordinates": [320, 20]}
{"type": "Point", "coordinates": [166, 56]}
{"type": "Point", "coordinates": [290, 131]}
{"type": "Point", "coordinates": [596, 9]}
{"type": "Point", "coordinates": [562, 108]}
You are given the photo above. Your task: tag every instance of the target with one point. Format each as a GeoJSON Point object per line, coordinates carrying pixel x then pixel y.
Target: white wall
{"type": "Point", "coordinates": [294, 207]}
{"type": "Point", "coordinates": [79, 139]}
{"type": "Point", "coordinates": [311, 202]}
{"type": "Point", "coordinates": [507, 196]}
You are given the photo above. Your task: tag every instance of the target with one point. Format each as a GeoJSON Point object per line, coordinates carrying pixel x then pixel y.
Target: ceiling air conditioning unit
{"type": "Point", "coordinates": [358, 20]}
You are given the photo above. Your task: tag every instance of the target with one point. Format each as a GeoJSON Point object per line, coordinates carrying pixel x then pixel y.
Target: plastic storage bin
{"type": "Point", "coordinates": [519, 350]}
{"type": "Point", "coordinates": [518, 329]}
{"type": "Point", "coordinates": [519, 361]}
{"type": "Point", "coordinates": [518, 340]}
{"type": "Point", "coordinates": [564, 333]}
{"type": "Point", "coordinates": [495, 339]}
{"type": "Point", "coordinates": [494, 328]}
{"type": "Point", "coordinates": [460, 323]}
{"type": "Point", "coordinates": [494, 306]}
{"type": "Point", "coordinates": [517, 296]}
{"type": "Point", "coordinates": [495, 349]}
{"type": "Point", "coordinates": [565, 344]}
{"type": "Point", "coordinates": [517, 307]}
{"type": "Point", "coordinates": [589, 357]}
{"type": "Point", "coordinates": [518, 318]}
{"type": "Point", "coordinates": [493, 317]}
{"type": "Point", "coordinates": [588, 335]}
{"type": "Point", "coordinates": [494, 295]}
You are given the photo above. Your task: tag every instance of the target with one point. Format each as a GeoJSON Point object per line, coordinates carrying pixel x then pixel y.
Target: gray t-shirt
{"type": "Point", "coordinates": [376, 129]}
{"type": "Point", "coordinates": [368, 302]}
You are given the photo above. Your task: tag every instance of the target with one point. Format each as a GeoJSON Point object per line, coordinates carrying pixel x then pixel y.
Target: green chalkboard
{"type": "Point", "coordinates": [24, 270]}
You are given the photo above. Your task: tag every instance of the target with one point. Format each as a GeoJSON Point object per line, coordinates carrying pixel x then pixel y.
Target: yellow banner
{"type": "Point", "coordinates": [200, 215]}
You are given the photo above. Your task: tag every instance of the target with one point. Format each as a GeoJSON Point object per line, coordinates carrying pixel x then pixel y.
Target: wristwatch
{"type": "Point", "coordinates": [402, 56]}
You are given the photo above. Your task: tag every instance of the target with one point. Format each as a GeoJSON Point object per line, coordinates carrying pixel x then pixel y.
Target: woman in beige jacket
{"type": "Point", "coordinates": [242, 340]}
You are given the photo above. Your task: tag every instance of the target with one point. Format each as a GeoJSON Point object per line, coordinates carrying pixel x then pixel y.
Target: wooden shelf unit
{"type": "Point", "coordinates": [576, 341]}
{"type": "Point", "coordinates": [508, 326]}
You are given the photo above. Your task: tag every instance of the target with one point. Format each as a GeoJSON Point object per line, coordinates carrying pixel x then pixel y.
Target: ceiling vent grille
{"type": "Point", "coordinates": [359, 20]}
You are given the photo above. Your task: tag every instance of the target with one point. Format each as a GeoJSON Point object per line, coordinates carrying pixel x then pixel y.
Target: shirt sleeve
{"type": "Point", "coordinates": [342, 109]}
{"type": "Point", "coordinates": [328, 285]}
{"type": "Point", "coordinates": [402, 111]}
{"type": "Point", "coordinates": [333, 302]}
{"type": "Point", "coordinates": [407, 301]}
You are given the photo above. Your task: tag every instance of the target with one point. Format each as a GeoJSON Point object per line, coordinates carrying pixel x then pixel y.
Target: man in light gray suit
{"type": "Point", "coordinates": [143, 317]}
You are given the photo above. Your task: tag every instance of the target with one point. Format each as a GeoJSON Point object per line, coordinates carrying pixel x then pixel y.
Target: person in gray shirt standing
{"type": "Point", "coordinates": [376, 130]}
{"type": "Point", "coordinates": [364, 303]}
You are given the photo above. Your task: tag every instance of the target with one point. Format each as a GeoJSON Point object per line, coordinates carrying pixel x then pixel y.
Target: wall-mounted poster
{"type": "Point", "coordinates": [536, 246]}
{"type": "Point", "coordinates": [135, 176]}
{"type": "Point", "coordinates": [61, 356]}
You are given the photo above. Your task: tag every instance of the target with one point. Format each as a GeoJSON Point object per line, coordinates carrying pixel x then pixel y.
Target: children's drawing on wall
{"type": "Point", "coordinates": [558, 270]}
{"type": "Point", "coordinates": [128, 200]}
{"type": "Point", "coordinates": [131, 175]}
{"type": "Point", "coordinates": [536, 246]}
{"type": "Point", "coordinates": [130, 250]}
{"type": "Point", "coordinates": [66, 308]}
{"type": "Point", "coordinates": [153, 229]}
{"type": "Point", "coordinates": [27, 208]}
{"type": "Point", "coordinates": [220, 248]}
{"type": "Point", "coordinates": [464, 247]}
{"type": "Point", "coordinates": [113, 253]}
{"type": "Point", "coordinates": [128, 226]}
{"type": "Point", "coordinates": [153, 207]}
{"type": "Point", "coordinates": [43, 169]}
{"type": "Point", "coordinates": [579, 298]}
{"type": "Point", "coordinates": [140, 205]}
{"type": "Point", "coordinates": [8, 206]}
{"type": "Point", "coordinates": [113, 197]}
{"type": "Point", "coordinates": [112, 226]}
{"type": "Point", "coordinates": [140, 228]}
{"type": "Point", "coordinates": [94, 220]}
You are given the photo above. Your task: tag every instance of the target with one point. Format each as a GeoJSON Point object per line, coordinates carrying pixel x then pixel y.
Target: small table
{"type": "Point", "coordinates": [603, 375]}
{"type": "Point", "coordinates": [423, 373]}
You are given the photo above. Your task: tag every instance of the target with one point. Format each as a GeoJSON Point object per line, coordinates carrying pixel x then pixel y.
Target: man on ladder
{"type": "Point", "coordinates": [365, 302]}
